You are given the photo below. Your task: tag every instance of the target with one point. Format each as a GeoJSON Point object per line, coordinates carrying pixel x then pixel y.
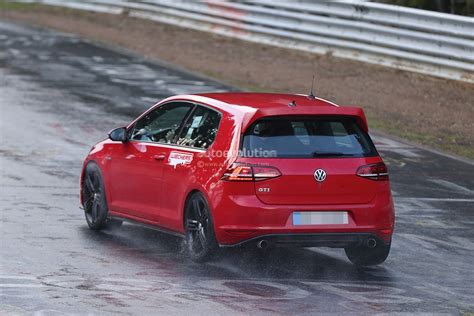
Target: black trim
{"type": "Point", "coordinates": [333, 240]}
{"type": "Point", "coordinates": [149, 226]}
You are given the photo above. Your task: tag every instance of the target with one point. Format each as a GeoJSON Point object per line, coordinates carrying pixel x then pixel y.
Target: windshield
{"type": "Point", "coordinates": [306, 137]}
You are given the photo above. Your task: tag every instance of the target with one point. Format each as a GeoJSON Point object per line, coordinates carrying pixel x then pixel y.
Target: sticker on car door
{"type": "Point", "coordinates": [179, 158]}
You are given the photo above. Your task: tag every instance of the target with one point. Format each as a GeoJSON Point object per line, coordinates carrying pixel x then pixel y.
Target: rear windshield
{"type": "Point", "coordinates": [306, 137]}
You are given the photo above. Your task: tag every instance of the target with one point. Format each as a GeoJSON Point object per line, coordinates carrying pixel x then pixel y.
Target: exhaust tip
{"type": "Point", "coordinates": [262, 244]}
{"type": "Point", "coordinates": [371, 243]}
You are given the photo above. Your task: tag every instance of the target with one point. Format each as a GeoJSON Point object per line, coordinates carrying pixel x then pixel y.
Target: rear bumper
{"type": "Point", "coordinates": [240, 217]}
{"type": "Point", "coordinates": [310, 240]}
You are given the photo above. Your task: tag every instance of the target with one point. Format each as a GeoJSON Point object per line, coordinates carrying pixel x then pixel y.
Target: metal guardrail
{"type": "Point", "coordinates": [416, 40]}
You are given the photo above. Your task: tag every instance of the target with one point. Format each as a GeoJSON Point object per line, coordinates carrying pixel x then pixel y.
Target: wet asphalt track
{"type": "Point", "coordinates": [59, 95]}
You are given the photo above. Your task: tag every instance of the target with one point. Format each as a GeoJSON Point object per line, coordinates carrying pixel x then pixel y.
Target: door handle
{"type": "Point", "coordinates": [159, 157]}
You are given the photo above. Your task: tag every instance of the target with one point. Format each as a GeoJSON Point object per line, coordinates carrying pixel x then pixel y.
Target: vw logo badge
{"type": "Point", "coordinates": [320, 175]}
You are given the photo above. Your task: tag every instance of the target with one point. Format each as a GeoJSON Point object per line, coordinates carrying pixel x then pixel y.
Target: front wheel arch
{"type": "Point", "coordinates": [81, 181]}
{"type": "Point", "coordinates": [104, 222]}
{"type": "Point", "coordinates": [105, 179]}
{"type": "Point", "coordinates": [93, 193]}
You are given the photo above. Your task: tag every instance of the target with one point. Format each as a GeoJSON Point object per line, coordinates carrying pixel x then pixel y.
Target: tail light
{"type": "Point", "coordinates": [377, 171]}
{"type": "Point", "coordinates": [238, 172]}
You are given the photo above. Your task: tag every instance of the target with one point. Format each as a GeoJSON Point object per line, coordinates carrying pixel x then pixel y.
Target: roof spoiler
{"type": "Point", "coordinates": [362, 120]}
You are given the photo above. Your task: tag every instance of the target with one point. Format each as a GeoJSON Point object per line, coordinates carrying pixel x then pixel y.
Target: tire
{"type": "Point", "coordinates": [361, 255]}
{"type": "Point", "coordinates": [201, 242]}
{"type": "Point", "coordinates": [94, 201]}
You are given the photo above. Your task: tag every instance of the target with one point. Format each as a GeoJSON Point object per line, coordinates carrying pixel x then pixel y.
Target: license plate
{"type": "Point", "coordinates": [320, 218]}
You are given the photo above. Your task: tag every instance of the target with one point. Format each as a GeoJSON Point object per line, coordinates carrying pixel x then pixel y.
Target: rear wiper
{"type": "Point", "coordinates": [330, 154]}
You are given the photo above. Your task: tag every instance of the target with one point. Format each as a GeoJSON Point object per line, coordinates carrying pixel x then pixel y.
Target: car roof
{"type": "Point", "coordinates": [266, 100]}
{"type": "Point", "coordinates": [252, 106]}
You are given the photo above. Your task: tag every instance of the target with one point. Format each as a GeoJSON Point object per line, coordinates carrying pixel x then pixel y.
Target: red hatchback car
{"type": "Point", "coordinates": [235, 169]}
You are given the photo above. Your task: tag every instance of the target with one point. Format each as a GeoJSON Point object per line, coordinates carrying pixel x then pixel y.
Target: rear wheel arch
{"type": "Point", "coordinates": [188, 196]}
{"type": "Point", "coordinates": [201, 243]}
{"type": "Point", "coordinates": [183, 208]}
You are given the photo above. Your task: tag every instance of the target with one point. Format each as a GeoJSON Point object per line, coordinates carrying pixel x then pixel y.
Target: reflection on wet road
{"type": "Point", "coordinates": [59, 95]}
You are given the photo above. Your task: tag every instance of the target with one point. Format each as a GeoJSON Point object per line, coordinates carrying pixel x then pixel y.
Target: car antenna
{"type": "Point", "coordinates": [311, 94]}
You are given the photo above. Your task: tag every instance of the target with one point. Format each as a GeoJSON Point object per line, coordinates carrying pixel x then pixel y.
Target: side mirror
{"type": "Point", "coordinates": [119, 134]}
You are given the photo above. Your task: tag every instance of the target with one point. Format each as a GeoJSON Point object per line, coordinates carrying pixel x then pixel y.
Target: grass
{"type": "Point", "coordinates": [445, 143]}
{"type": "Point", "coordinates": [23, 6]}
{"type": "Point", "coordinates": [8, 5]}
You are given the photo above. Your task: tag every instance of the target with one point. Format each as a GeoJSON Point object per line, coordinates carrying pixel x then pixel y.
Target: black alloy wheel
{"type": "Point", "coordinates": [94, 201]}
{"type": "Point", "coordinates": [201, 243]}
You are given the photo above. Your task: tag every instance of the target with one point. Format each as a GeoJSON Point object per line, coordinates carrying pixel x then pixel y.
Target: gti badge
{"type": "Point", "coordinates": [320, 175]}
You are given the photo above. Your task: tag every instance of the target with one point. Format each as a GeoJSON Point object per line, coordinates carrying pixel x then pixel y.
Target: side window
{"type": "Point", "coordinates": [162, 124]}
{"type": "Point", "coordinates": [200, 129]}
